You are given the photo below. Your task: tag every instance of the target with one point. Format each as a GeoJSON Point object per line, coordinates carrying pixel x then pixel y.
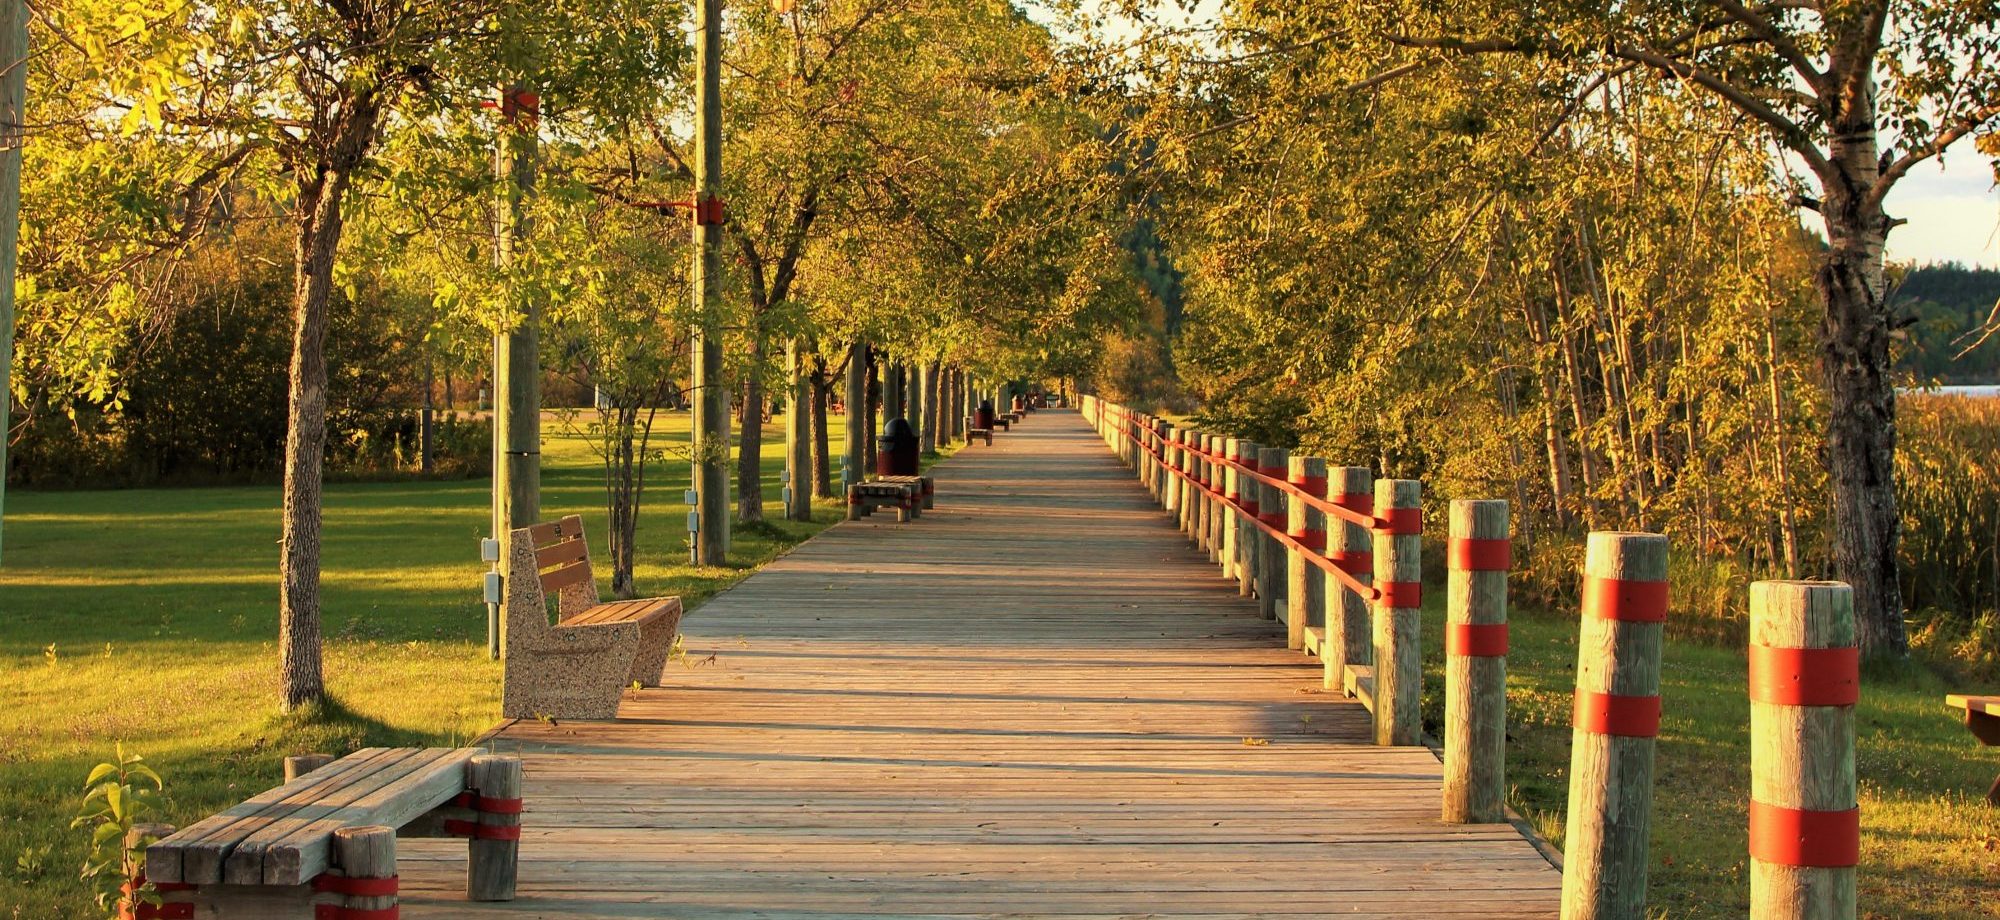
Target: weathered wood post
{"type": "Point", "coordinates": [367, 879]}
{"type": "Point", "coordinates": [1244, 523]}
{"type": "Point", "coordinates": [1219, 508]}
{"type": "Point", "coordinates": [176, 899]}
{"type": "Point", "coordinates": [1232, 500]}
{"type": "Point", "coordinates": [1399, 585]}
{"type": "Point", "coordinates": [493, 856]}
{"type": "Point", "coordinates": [1305, 584]}
{"type": "Point", "coordinates": [1805, 820]}
{"type": "Point", "coordinates": [1475, 676]}
{"type": "Point", "coordinates": [299, 765]}
{"type": "Point", "coordinates": [1190, 492]}
{"type": "Point", "coordinates": [1349, 635]}
{"type": "Point", "coordinates": [1205, 475]}
{"type": "Point", "coordinates": [1616, 720]}
{"type": "Point", "coordinates": [1271, 512]}
{"type": "Point", "coordinates": [1170, 484]}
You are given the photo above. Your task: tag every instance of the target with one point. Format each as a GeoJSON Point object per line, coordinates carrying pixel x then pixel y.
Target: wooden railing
{"type": "Point", "coordinates": [1265, 517]}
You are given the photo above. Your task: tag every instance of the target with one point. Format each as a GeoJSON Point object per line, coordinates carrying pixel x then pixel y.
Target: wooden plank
{"type": "Point", "coordinates": [196, 854]}
{"type": "Point", "coordinates": [303, 853]}
{"type": "Point", "coordinates": [244, 863]}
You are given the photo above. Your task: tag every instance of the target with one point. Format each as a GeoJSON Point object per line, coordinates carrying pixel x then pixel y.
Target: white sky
{"type": "Point", "coordinates": [1952, 206]}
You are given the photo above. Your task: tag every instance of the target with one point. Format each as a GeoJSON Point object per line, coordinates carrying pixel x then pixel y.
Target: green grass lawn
{"type": "Point", "coordinates": [1928, 845]}
{"type": "Point", "coordinates": [149, 617]}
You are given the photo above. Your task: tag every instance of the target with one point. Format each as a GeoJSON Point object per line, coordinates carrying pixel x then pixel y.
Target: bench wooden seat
{"type": "Point", "coordinates": [972, 430]}
{"type": "Point", "coordinates": [1982, 718]}
{"type": "Point", "coordinates": [263, 857]}
{"type": "Point", "coordinates": [926, 488]}
{"type": "Point", "coordinates": [579, 666]}
{"type": "Point", "coordinates": [904, 496]}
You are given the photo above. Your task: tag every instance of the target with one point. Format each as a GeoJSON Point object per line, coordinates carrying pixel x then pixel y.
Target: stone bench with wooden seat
{"type": "Point", "coordinates": [899, 492]}
{"type": "Point", "coordinates": [579, 666]}
{"type": "Point", "coordinates": [972, 431]}
{"type": "Point", "coordinates": [1982, 718]}
{"type": "Point", "coordinates": [323, 844]}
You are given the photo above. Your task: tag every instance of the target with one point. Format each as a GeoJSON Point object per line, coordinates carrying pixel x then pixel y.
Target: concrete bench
{"type": "Point", "coordinates": [1982, 718]}
{"type": "Point", "coordinates": [906, 497]}
{"type": "Point", "coordinates": [578, 667]}
{"type": "Point", "coordinates": [324, 843]}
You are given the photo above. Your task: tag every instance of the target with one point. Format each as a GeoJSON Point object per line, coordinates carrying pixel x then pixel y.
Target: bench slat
{"type": "Point", "coordinates": [306, 852]}
{"type": "Point", "coordinates": [1989, 705]}
{"type": "Point", "coordinates": [575, 573]}
{"type": "Point", "coordinates": [245, 864]}
{"type": "Point", "coordinates": [194, 855]}
{"type": "Point", "coordinates": [551, 531]}
{"type": "Point", "coordinates": [642, 610]}
{"type": "Point", "coordinates": [562, 553]}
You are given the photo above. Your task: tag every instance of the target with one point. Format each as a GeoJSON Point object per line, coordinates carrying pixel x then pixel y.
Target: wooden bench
{"type": "Point", "coordinates": [283, 854]}
{"type": "Point", "coordinates": [904, 496]}
{"type": "Point", "coordinates": [926, 488]}
{"type": "Point", "coordinates": [1982, 718]}
{"type": "Point", "coordinates": [579, 667]}
{"type": "Point", "coordinates": [972, 432]}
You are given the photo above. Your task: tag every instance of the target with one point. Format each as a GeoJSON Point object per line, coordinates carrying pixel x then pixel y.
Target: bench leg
{"type": "Point", "coordinates": [903, 512]}
{"type": "Point", "coordinates": [493, 855]}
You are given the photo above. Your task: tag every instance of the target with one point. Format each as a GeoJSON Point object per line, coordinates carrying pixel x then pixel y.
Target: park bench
{"type": "Point", "coordinates": [1982, 718]}
{"type": "Point", "coordinates": [972, 432]}
{"type": "Point", "coordinates": [899, 492]}
{"type": "Point", "coordinates": [289, 854]}
{"type": "Point", "coordinates": [926, 488]}
{"type": "Point", "coordinates": [578, 667]}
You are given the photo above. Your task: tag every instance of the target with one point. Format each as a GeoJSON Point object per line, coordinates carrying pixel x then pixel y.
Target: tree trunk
{"type": "Point", "coordinates": [427, 425]}
{"type": "Point", "coordinates": [319, 227]}
{"type": "Point", "coordinates": [822, 473]}
{"type": "Point", "coordinates": [750, 443]}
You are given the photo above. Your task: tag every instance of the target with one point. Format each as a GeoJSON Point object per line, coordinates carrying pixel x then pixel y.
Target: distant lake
{"type": "Point", "coordinates": [1969, 392]}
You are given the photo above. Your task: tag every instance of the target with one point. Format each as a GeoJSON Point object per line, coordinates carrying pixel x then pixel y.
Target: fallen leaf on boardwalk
{"type": "Point", "coordinates": [1256, 742]}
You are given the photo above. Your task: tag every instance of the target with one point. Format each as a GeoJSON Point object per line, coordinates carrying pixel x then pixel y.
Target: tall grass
{"type": "Point", "coordinates": [1949, 471]}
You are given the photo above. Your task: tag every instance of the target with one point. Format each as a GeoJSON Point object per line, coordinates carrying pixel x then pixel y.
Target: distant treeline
{"type": "Point", "coordinates": [1951, 304]}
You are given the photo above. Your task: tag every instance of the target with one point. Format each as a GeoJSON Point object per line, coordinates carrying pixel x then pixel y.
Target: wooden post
{"type": "Point", "coordinates": [1242, 523]}
{"type": "Point", "coordinates": [137, 839]}
{"type": "Point", "coordinates": [710, 466]}
{"type": "Point", "coordinates": [1271, 512]}
{"type": "Point", "coordinates": [1349, 637]}
{"type": "Point", "coordinates": [299, 765]}
{"type": "Point", "coordinates": [1616, 720]}
{"type": "Point", "coordinates": [1475, 676]}
{"type": "Point", "coordinates": [366, 854]}
{"type": "Point", "coordinates": [1805, 821]}
{"type": "Point", "coordinates": [1399, 574]}
{"type": "Point", "coordinates": [926, 399]}
{"type": "Point", "coordinates": [1170, 484]}
{"type": "Point", "coordinates": [1219, 509]}
{"type": "Point", "coordinates": [492, 862]}
{"type": "Point", "coordinates": [798, 431]}
{"type": "Point", "coordinates": [1305, 584]}
{"type": "Point", "coordinates": [852, 452]}
{"type": "Point", "coordinates": [13, 136]}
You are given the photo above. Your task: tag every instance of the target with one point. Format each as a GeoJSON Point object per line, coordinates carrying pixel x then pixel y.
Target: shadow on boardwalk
{"type": "Point", "coordinates": [1034, 701]}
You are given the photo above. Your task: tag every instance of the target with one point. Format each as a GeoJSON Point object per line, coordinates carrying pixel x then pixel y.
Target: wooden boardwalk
{"type": "Point", "coordinates": [1034, 701]}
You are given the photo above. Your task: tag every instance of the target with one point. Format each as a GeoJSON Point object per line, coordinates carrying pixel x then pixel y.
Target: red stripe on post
{"type": "Point", "coordinates": [1354, 501]}
{"type": "Point", "coordinates": [1272, 520]}
{"type": "Point", "coordinates": [1314, 486]}
{"type": "Point", "coordinates": [355, 887]}
{"type": "Point", "coordinates": [1249, 506]}
{"type": "Point", "coordinates": [458, 828]}
{"type": "Point", "coordinates": [1811, 839]}
{"type": "Point", "coordinates": [1624, 716]}
{"type": "Point", "coordinates": [1402, 522]}
{"type": "Point", "coordinates": [1805, 676]}
{"type": "Point", "coordinates": [1476, 640]}
{"type": "Point", "coordinates": [1625, 601]}
{"type": "Point", "coordinates": [1400, 594]}
{"type": "Point", "coordinates": [1477, 555]}
{"type": "Point", "coordinates": [1313, 540]}
{"type": "Point", "coordinates": [336, 912]}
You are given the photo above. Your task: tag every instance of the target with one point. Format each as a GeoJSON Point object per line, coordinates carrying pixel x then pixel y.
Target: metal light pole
{"type": "Point", "coordinates": [517, 369]}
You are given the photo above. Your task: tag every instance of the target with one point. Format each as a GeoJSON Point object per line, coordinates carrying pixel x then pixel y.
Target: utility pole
{"type": "Point", "coordinates": [711, 410]}
{"type": "Point", "coordinates": [13, 93]}
{"type": "Point", "coordinates": [517, 368]}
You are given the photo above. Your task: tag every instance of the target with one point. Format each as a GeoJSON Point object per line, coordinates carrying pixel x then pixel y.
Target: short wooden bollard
{"type": "Point", "coordinates": [1170, 484]}
{"type": "Point", "coordinates": [1617, 718]}
{"type": "Point", "coordinates": [1232, 502]}
{"type": "Point", "coordinates": [1399, 586]}
{"type": "Point", "coordinates": [1244, 521]}
{"type": "Point", "coordinates": [1217, 512]}
{"type": "Point", "coordinates": [493, 854]}
{"type": "Point", "coordinates": [366, 880]}
{"type": "Point", "coordinates": [1805, 819]}
{"type": "Point", "coordinates": [1305, 584]}
{"type": "Point", "coordinates": [1272, 463]}
{"type": "Point", "coordinates": [1349, 636]}
{"type": "Point", "coordinates": [175, 900]}
{"type": "Point", "coordinates": [1475, 670]}
{"type": "Point", "coordinates": [299, 765]}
